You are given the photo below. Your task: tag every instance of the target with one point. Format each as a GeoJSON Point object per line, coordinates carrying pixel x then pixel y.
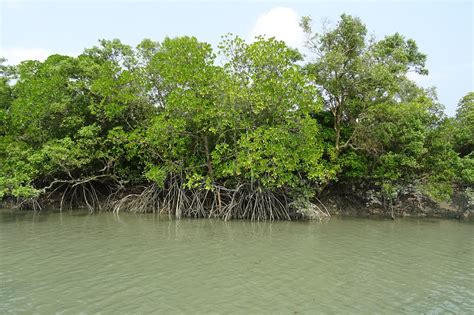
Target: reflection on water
{"type": "Point", "coordinates": [75, 262]}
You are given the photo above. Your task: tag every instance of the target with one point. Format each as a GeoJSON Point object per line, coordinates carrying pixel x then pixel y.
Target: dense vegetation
{"type": "Point", "coordinates": [254, 131]}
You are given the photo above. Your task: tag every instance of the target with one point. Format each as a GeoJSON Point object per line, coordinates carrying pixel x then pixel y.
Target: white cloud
{"type": "Point", "coordinates": [17, 55]}
{"type": "Point", "coordinates": [281, 23]}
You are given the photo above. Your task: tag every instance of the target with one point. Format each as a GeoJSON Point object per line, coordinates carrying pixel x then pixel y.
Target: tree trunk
{"type": "Point", "coordinates": [208, 158]}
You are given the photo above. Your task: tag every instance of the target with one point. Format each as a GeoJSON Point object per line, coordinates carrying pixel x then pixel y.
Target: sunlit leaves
{"type": "Point", "coordinates": [250, 114]}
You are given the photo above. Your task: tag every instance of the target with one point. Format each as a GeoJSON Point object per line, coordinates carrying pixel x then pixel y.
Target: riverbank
{"type": "Point", "coordinates": [256, 207]}
{"type": "Point", "coordinates": [259, 137]}
{"type": "Point", "coordinates": [402, 209]}
{"type": "Point", "coordinates": [409, 205]}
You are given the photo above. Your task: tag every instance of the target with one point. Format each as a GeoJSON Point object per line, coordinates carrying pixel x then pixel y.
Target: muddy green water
{"type": "Point", "coordinates": [73, 263]}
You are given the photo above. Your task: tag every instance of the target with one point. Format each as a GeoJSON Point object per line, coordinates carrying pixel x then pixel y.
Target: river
{"type": "Point", "coordinates": [79, 263]}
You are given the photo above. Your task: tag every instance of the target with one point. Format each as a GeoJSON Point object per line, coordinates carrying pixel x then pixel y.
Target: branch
{"type": "Point", "coordinates": [76, 182]}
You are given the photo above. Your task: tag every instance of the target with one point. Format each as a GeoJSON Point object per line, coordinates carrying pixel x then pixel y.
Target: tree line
{"type": "Point", "coordinates": [252, 130]}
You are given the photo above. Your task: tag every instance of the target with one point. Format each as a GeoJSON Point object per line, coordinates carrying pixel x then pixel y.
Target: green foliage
{"type": "Point", "coordinates": [48, 100]}
{"type": "Point", "coordinates": [354, 72]}
{"type": "Point", "coordinates": [403, 149]}
{"type": "Point", "coordinates": [17, 172]}
{"type": "Point", "coordinates": [157, 175]}
{"type": "Point", "coordinates": [467, 169]}
{"type": "Point", "coordinates": [168, 112]}
{"type": "Point", "coordinates": [465, 125]}
{"type": "Point", "coordinates": [278, 156]}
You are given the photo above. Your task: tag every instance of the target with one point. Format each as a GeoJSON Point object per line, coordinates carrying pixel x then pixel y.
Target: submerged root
{"type": "Point", "coordinates": [146, 201]}
{"type": "Point", "coordinates": [81, 195]}
{"type": "Point", "coordinates": [242, 202]}
{"type": "Point", "coordinates": [85, 193]}
{"type": "Point", "coordinates": [28, 203]}
{"type": "Point", "coordinates": [221, 202]}
{"type": "Point", "coordinates": [172, 200]}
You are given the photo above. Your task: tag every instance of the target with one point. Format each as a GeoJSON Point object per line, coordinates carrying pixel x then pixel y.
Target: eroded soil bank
{"type": "Point", "coordinates": [340, 203]}
{"type": "Point", "coordinates": [406, 206]}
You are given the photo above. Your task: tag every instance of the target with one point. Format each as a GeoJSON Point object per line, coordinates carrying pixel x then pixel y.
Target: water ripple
{"type": "Point", "coordinates": [67, 263]}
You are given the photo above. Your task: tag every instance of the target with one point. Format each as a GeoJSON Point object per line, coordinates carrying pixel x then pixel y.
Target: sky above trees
{"type": "Point", "coordinates": [442, 29]}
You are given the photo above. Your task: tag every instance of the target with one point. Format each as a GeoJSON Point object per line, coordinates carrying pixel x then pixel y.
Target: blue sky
{"type": "Point", "coordinates": [444, 30]}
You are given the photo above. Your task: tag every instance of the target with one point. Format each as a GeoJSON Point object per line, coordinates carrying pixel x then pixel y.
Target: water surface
{"type": "Point", "coordinates": [72, 262]}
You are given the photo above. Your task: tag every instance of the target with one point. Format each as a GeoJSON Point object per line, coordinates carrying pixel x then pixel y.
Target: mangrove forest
{"type": "Point", "coordinates": [246, 130]}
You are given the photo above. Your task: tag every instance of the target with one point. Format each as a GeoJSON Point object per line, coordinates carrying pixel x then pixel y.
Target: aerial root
{"type": "Point", "coordinates": [220, 202]}
{"type": "Point", "coordinates": [242, 202]}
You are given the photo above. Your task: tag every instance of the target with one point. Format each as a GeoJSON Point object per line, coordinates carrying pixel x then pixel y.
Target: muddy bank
{"type": "Point", "coordinates": [348, 204]}
{"type": "Point", "coordinates": [254, 206]}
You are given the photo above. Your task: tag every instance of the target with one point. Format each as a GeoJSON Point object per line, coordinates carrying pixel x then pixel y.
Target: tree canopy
{"type": "Point", "coordinates": [166, 127]}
